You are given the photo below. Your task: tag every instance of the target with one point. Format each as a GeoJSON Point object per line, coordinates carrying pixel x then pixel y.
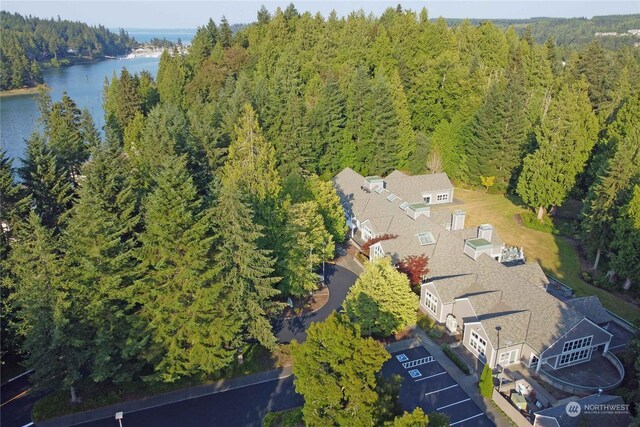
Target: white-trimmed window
{"type": "Point", "coordinates": [442, 197]}
{"type": "Point", "coordinates": [431, 302]}
{"type": "Point", "coordinates": [377, 251]}
{"type": "Point", "coordinates": [576, 351]}
{"type": "Point", "coordinates": [478, 343]}
{"type": "Point", "coordinates": [577, 344]}
{"type": "Point", "coordinates": [367, 234]}
{"type": "Point", "coordinates": [508, 357]}
{"type": "Point", "coordinates": [576, 356]}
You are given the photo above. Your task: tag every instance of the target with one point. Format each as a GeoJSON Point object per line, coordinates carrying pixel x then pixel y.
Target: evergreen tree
{"type": "Point", "coordinates": [47, 184]}
{"type": "Point", "coordinates": [55, 343]}
{"type": "Point", "coordinates": [382, 127]}
{"type": "Point", "coordinates": [406, 135]}
{"type": "Point", "coordinates": [251, 162]}
{"type": "Point", "coordinates": [101, 266]}
{"type": "Point", "coordinates": [243, 267]}
{"type": "Point", "coordinates": [187, 311]}
{"type": "Point", "coordinates": [381, 301]}
{"type": "Point", "coordinates": [327, 123]}
{"type": "Point", "coordinates": [330, 207]}
{"type": "Point", "coordinates": [335, 371]}
{"type": "Point", "coordinates": [89, 131]}
{"type": "Point", "coordinates": [306, 243]}
{"type": "Point", "coordinates": [565, 140]}
{"type": "Point", "coordinates": [357, 108]}
{"type": "Point", "coordinates": [625, 258]}
{"type": "Point", "coordinates": [65, 137]}
{"type": "Point", "coordinates": [499, 133]}
{"type": "Point", "coordinates": [611, 187]}
{"type": "Point", "coordinates": [225, 34]}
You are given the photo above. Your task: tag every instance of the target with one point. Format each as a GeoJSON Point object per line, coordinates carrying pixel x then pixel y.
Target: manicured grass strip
{"type": "Point", "coordinates": [455, 358]}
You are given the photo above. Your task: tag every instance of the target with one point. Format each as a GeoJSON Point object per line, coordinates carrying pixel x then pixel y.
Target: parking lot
{"type": "Point", "coordinates": [427, 385]}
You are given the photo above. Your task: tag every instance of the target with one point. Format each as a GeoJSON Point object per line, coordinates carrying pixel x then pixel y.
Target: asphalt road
{"type": "Point", "coordinates": [339, 280]}
{"type": "Point", "coordinates": [239, 407]}
{"type": "Point", "coordinates": [17, 400]}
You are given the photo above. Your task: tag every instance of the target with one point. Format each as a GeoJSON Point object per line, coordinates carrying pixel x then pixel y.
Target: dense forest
{"type": "Point", "coordinates": [158, 251]}
{"type": "Point", "coordinates": [572, 32]}
{"type": "Point", "coordinates": [28, 43]}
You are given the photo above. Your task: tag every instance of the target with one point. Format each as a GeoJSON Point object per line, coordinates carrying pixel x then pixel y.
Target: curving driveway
{"type": "Point", "coordinates": [339, 280]}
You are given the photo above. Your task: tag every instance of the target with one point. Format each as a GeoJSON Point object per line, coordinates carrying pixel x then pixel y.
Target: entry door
{"type": "Point", "coordinates": [533, 364]}
{"type": "Point", "coordinates": [452, 323]}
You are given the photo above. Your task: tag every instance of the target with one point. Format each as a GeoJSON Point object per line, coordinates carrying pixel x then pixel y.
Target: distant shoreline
{"type": "Point", "coordinates": [22, 91]}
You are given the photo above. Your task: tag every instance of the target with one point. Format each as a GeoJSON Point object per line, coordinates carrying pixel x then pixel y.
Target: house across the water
{"type": "Point", "coordinates": [500, 310]}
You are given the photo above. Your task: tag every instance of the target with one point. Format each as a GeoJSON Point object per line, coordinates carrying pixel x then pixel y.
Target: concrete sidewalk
{"type": "Point", "coordinates": [168, 398]}
{"type": "Point", "coordinates": [469, 383]}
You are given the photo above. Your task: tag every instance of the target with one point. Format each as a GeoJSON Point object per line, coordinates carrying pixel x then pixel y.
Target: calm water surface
{"type": "Point", "coordinates": [84, 84]}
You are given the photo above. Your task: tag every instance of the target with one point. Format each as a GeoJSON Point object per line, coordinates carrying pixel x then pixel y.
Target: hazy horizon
{"type": "Point", "coordinates": [175, 15]}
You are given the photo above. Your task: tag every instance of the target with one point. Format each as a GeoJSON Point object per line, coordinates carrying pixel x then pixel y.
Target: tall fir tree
{"type": "Point", "coordinates": [245, 268]}
{"type": "Point", "coordinates": [610, 189]}
{"type": "Point", "coordinates": [55, 343]}
{"type": "Point", "coordinates": [626, 244]}
{"type": "Point", "coordinates": [189, 317]}
{"type": "Point", "coordinates": [100, 264]}
{"type": "Point", "coordinates": [48, 185]}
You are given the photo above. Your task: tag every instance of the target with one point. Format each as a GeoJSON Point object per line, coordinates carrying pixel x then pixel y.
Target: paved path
{"type": "Point", "coordinates": [339, 279]}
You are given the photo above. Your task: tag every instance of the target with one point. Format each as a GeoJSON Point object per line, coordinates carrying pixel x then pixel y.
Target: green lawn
{"type": "Point", "coordinates": [554, 253]}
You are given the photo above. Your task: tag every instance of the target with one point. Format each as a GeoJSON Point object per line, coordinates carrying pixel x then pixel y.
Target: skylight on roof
{"type": "Point", "coordinates": [379, 189]}
{"type": "Point", "coordinates": [404, 206]}
{"type": "Point", "coordinates": [426, 238]}
{"type": "Point", "coordinates": [391, 197]}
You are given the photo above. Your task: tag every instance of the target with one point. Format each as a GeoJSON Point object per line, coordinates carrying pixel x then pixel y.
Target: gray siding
{"type": "Point", "coordinates": [462, 311]}
{"type": "Point", "coordinates": [583, 329]}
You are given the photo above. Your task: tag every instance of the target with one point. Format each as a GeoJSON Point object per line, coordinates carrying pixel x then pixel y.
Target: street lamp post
{"type": "Point", "coordinates": [324, 245]}
{"type": "Point", "coordinates": [498, 329]}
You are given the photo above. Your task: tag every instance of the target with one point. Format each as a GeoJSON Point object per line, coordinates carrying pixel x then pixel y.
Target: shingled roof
{"type": "Point", "coordinates": [592, 309]}
{"type": "Point", "coordinates": [513, 297]}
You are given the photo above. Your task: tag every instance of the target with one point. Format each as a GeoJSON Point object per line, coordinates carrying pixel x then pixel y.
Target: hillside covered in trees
{"type": "Point", "coordinates": [172, 243]}
{"type": "Point", "coordinates": [572, 32]}
{"type": "Point", "coordinates": [28, 43]}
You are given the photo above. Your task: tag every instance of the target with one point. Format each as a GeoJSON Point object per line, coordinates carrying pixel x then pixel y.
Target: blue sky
{"type": "Point", "coordinates": [190, 14]}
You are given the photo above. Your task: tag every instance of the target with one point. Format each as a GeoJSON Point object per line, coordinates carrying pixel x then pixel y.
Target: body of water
{"type": "Point", "coordinates": [143, 35]}
{"type": "Point", "coordinates": [84, 83]}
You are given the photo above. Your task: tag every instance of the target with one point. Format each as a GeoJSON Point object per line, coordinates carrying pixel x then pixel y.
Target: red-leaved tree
{"type": "Point", "coordinates": [414, 267]}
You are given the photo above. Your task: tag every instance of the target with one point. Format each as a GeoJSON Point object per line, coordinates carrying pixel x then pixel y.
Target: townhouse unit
{"type": "Point", "coordinates": [501, 311]}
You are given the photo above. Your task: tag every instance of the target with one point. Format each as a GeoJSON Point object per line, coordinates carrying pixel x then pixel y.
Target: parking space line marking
{"type": "Point", "coordinates": [431, 376]}
{"type": "Point", "coordinates": [417, 362]}
{"type": "Point", "coordinates": [453, 404]}
{"type": "Point", "coordinates": [466, 419]}
{"type": "Point", "coordinates": [442, 389]}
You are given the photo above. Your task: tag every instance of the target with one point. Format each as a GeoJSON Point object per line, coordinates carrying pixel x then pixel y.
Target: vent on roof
{"type": "Point", "coordinates": [379, 190]}
{"type": "Point", "coordinates": [426, 238]}
{"type": "Point", "coordinates": [404, 206]}
{"type": "Point", "coordinates": [391, 197]}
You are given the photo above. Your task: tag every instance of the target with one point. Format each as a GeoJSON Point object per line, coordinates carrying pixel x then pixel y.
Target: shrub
{"type": "Point", "coordinates": [455, 359]}
{"type": "Point", "coordinates": [486, 382]}
{"type": "Point", "coordinates": [586, 276]}
{"type": "Point", "coordinates": [435, 333]}
{"type": "Point", "coordinates": [529, 220]}
{"type": "Point", "coordinates": [424, 321]}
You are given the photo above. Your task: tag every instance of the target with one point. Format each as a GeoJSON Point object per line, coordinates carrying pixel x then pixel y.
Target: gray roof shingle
{"type": "Point", "coordinates": [592, 308]}
{"type": "Point", "coordinates": [511, 297]}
